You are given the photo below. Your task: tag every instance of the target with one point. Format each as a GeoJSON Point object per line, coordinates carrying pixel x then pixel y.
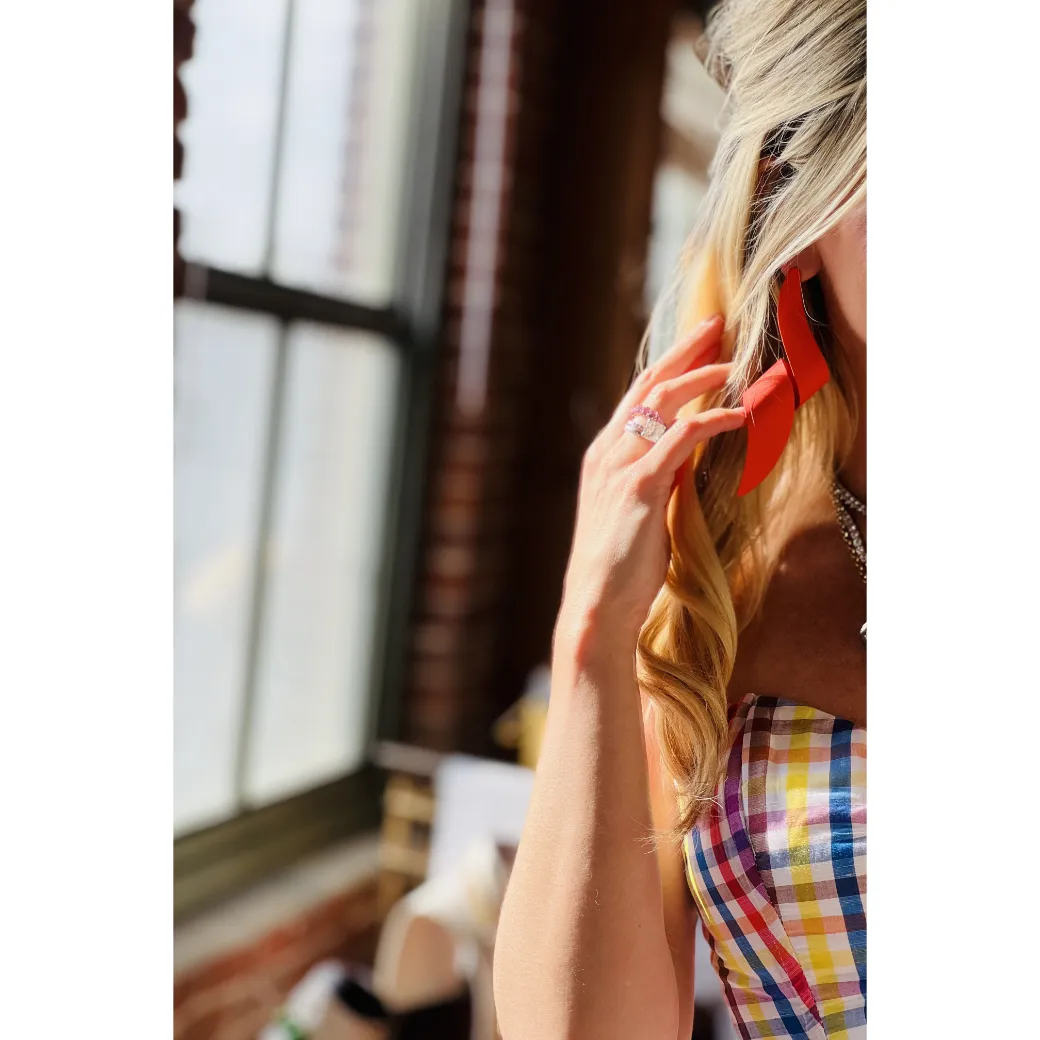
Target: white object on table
{"type": "Point", "coordinates": [475, 799]}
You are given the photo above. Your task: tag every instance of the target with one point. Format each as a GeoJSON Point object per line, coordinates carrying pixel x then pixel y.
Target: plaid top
{"type": "Point", "coordinates": [778, 871]}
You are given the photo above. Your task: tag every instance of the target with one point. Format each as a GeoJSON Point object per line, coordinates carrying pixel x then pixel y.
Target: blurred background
{"type": "Point", "coordinates": [416, 245]}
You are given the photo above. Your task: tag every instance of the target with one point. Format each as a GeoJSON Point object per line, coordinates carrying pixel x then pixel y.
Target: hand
{"type": "Point", "coordinates": [619, 558]}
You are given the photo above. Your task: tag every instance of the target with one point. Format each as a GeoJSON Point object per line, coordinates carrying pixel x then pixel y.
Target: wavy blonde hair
{"type": "Point", "coordinates": [790, 164]}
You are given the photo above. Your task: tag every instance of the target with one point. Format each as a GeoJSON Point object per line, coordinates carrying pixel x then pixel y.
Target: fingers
{"type": "Point", "coordinates": [668, 397]}
{"type": "Point", "coordinates": [689, 357]}
{"type": "Point", "coordinates": [701, 347]}
{"type": "Point", "coordinates": [677, 444]}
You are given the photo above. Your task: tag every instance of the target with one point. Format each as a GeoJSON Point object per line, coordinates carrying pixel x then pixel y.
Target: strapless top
{"type": "Point", "coordinates": [777, 868]}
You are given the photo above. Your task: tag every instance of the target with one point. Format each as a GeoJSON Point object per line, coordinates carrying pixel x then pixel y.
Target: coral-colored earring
{"type": "Point", "coordinates": [770, 402]}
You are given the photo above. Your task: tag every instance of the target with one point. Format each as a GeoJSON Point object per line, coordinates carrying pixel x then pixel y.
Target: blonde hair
{"type": "Point", "coordinates": [790, 164]}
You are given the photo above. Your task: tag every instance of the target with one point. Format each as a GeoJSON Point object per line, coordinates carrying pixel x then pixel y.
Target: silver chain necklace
{"type": "Point", "coordinates": [845, 504]}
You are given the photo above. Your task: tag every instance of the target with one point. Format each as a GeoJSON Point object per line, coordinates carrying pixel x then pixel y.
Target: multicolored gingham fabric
{"type": "Point", "coordinates": [778, 870]}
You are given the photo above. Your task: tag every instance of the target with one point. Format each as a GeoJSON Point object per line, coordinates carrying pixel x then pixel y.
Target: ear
{"type": "Point", "coordinates": [808, 262]}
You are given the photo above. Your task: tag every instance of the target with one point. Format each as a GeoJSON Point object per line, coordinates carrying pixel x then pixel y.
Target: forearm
{"type": "Point", "coordinates": [581, 948]}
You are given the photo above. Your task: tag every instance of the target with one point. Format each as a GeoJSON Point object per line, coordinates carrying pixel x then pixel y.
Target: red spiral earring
{"type": "Point", "coordinates": [770, 402]}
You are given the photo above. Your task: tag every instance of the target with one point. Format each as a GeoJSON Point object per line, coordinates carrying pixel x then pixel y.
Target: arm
{"type": "Point", "coordinates": [582, 949]}
{"type": "Point", "coordinates": [594, 928]}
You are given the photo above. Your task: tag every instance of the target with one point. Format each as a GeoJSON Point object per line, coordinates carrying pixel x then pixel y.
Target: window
{"type": "Point", "coordinates": [318, 161]}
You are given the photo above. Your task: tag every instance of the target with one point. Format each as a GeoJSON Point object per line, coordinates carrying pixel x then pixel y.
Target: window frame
{"type": "Point", "coordinates": [218, 861]}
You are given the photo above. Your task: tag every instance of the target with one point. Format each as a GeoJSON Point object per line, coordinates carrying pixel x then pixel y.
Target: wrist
{"type": "Point", "coordinates": [588, 637]}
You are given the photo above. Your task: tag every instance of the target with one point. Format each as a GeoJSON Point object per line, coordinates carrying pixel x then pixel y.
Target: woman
{"type": "Point", "coordinates": [708, 694]}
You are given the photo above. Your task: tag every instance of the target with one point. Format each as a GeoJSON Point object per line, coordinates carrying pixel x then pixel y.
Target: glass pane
{"type": "Point", "coordinates": [344, 153]}
{"type": "Point", "coordinates": [224, 364]}
{"type": "Point", "coordinates": [677, 196]}
{"type": "Point", "coordinates": [232, 82]}
{"type": "Point", "coordinates": [691, 103]}
{"type": "Point", "coordinates": [324, 578]}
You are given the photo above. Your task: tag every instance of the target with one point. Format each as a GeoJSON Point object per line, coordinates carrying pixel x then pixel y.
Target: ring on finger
{"type": "Point", "coordinates": [646, 423]}
{"type": "Point", "coordinates": [649, 413]}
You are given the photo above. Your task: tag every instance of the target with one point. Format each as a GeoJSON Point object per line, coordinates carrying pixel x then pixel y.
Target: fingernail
{"type": "Point", "coordinates": [706, 326]}
{"type": "Point", "coordinates": [705, 357]}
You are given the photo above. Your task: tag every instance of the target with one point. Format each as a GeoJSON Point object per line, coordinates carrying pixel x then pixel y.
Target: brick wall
{"type": "Point", "coordinates": [485, 390]}
{"type": "Point", "coordinates": [233, 995]}
{"type": "Point", "coordinates": [598, 206]}
{"type": "Point", "coordinates": [183, 40]}
{"type": "Point", "coordinates": [570, 189]}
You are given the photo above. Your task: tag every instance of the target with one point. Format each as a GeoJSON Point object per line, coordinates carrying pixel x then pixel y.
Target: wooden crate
{"type": "Point", "coordinates": [405, 839]}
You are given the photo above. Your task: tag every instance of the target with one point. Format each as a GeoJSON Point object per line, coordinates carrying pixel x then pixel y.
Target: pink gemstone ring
{"type": "Point", "coordinates": [646, 423]}
{"type": "Point", "coordinates": [650, 413]}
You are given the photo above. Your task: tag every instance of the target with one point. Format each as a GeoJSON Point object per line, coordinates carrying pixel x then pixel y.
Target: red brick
{"type": "Point", "coordinates": [235, 994]}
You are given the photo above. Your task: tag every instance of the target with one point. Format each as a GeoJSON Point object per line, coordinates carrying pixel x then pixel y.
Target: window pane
{"type": "Point", "coordinates": [232, 83]}
{"type": "Point", "coordinates": [677, 196]}
{"type": "Point", "coordinates": [344, 156]}
{"type": "Point", "coordinates": [691, 103]}
{"type": "Point", "coordinates": [324, 577]}
{"type": "Point", "coordinates": [223, 370]}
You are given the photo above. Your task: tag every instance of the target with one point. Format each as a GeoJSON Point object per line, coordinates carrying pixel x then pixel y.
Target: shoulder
{"type": "Point", "coordinates": [804, 645]}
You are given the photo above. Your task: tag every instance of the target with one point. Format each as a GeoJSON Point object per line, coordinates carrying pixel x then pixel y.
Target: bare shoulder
{"type": "Point", "coordinates": [805, 643]}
